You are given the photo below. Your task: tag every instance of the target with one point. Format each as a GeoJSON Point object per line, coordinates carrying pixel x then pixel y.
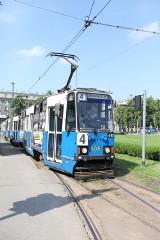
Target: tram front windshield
{"type": "Point", "coordinates": [94, 112]}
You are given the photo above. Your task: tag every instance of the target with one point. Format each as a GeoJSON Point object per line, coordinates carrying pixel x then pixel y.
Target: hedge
{"type": "Point", "coordinates": [152, 152]}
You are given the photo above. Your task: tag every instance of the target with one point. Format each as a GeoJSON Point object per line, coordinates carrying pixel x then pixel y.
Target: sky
{"type": "Point", "coordinates": [115, 59]}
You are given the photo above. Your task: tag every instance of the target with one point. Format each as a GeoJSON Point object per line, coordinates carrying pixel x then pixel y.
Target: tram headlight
{"type": "Point", "coordinates": [107, 150]}
{"type": "Point", "coordinates": [84, 150]}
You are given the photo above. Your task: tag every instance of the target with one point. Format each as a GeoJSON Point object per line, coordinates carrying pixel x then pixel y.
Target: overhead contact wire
{"type": "Point", "coordinates": [87, 24]}
{"type": "Point", "coordinates": [91, 9]}
{"type": "Point", "coordinates": [126, 28]}
{"type": "Point", "coordinates": [102, 8]}
{"type": "Point", "coordinates": [52, 64]}
{"type": "Point", "coordinates": [48, 10]}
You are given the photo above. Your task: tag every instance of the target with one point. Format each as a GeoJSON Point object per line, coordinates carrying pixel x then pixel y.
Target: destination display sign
{"type": "Point", "coordinates": [97, 96]}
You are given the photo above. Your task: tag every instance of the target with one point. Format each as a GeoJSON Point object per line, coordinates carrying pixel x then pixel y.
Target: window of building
{"type": "Point", "coordinates": [8, 95]}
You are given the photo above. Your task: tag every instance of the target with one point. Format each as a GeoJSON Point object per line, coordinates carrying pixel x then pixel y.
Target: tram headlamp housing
{"type": "Point", "coordinates": [107, 150]}
{"type": "Point", "coordinates": [83, 150]}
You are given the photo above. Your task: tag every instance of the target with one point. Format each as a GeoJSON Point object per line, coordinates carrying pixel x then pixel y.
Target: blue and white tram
{"type": "Point", "coordinates": [10, 129]}
{"type": "Point", "coordinates": [6, 127]}
{"type": "Point", "coordinates": [15, 130]}
{"type": "Point", "coordinates": [72, 131]}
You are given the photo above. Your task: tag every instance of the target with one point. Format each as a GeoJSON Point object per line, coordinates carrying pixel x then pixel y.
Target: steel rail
{"type": "Point", "coordinates": [135, 195]}
{"type": "Point", "coordinates": [103, 197]}
{"type": "Point", "coordinates": [90, 224]}
{"type": "Point", "coordinates": [137, 185]}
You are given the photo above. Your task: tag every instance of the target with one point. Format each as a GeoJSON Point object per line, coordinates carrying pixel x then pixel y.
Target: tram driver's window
{"type": "Point", "coordinates": [70, 118]}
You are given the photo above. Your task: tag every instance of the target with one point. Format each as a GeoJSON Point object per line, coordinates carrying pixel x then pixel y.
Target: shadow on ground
{"type": "Point", "coordinates": [7, 149]}
{"type": "Point", "coordinates": [36, 205]}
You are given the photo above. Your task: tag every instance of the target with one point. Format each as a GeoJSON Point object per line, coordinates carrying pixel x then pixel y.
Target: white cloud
{"type": "Point", "coordinates": [36, 51]}
{"type": "Point", "coordinates": [138, 36]}
{"type": "Point", "coordinates": [6, 17]}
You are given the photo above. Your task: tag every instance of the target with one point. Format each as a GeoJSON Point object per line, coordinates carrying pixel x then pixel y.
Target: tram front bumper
{"type": "Point", "coordinates": [93, 157]}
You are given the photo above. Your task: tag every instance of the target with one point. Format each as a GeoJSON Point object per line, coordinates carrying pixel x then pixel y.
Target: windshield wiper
{"type": "Point", "coordinates": [104, 130]}
{"type": "Point", "coordinates": [87, 129]}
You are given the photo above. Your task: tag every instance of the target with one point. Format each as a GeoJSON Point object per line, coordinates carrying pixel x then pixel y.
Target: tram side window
{"type": "Point", "coordinates": [15, 125]}
{"type": "Point", "coordinates": [23, 123]}
{"type": "Point", "coordinates": [51, 119]}
{"type": "Point", "coordinates": [70, 118]}
{"type": "Point", "coordinates": [27, 118]}
{"type": "Point", "coordinates": [19, 124]}
{"type": "Point", "coordinates": [9, 126]}
{"type": "Point", "coordinates": [42, 119]}
{"type": "Point", "coordinates": [31, 122]}
{"type": "Point", "coordinates": [6, 125]}
{"type": "Point", "coordinates": [59, 120]}
{"type": "Point", "coordinates": [36, 118]}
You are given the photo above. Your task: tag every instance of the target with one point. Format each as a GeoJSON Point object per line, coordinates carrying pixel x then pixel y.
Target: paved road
{"type": "Point", "coordinates": [33, 202]}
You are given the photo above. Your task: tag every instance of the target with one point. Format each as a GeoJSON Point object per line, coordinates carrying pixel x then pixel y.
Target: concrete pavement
{"type": "Point", "coordinates": [34, 204]}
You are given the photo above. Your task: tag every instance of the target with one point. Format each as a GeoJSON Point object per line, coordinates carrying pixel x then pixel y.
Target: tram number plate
{"type": "Point", "coordinates": [82, 139]}
{"type": "Point", "coordinates": [95, 148]}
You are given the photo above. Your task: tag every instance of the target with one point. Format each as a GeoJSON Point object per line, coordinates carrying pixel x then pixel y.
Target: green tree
{"type": "Point", "coordinates": [30, 103]}
{"type": "Point", "coordinates": [128, 117]}
{"type": "Point", "coordinates": [39, 98]}
{"type": "Point", "coordinates": [157, 114]}
{"type": "Point", "coordinates": [49, 93]}
{"type": "Point", "coordinates": [18, 104]}
{"type": "Point", "coordinates": [151, 112]}
{"type": "Point", "coordinates": [119, 117]}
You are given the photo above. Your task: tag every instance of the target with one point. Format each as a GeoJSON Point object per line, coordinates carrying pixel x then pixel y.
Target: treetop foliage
{"type": "Point", "coordinates": [126, 116]}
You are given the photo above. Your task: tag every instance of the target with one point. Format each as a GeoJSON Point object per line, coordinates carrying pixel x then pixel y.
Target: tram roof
{"type": "Point", "coordinates": [90, 90]}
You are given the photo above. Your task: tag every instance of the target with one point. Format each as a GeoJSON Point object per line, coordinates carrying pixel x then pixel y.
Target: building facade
{"type": "Point", "coordinates": [6, 100]}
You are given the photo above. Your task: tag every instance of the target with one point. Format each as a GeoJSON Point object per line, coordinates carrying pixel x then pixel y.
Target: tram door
{"type": "Point", "coordinates": [15, 128]}
{"type": "Point", "coordinates": [54, 136]}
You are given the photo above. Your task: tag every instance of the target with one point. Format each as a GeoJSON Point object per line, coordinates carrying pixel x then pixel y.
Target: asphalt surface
{"type": "Point", "coordinates": [33, 202]}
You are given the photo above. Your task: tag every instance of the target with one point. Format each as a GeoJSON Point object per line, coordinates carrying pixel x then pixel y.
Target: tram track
{"type": "Point", "coordinates": [105, 197]}
{"type": "Point", "coordinates": [93, 191]}
{"type": "Point", "coordinates": [139, 186]}
{"type": "Point", "coordinates": [135, 195]}
{"type": "Point", "coordinates": [90, 224]}
{"type": "Point", "coordinates": [104, 194]}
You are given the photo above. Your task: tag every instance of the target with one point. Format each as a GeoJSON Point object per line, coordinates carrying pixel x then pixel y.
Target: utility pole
{"type": "Point", "coordinates": [144, 129]}
{"type": "Point", "coordinates": [12, 90]}
{"type": "Point", "coordinates": [131, 115]}
{"type": "Point", "coordinates": [12, 96]}
{"type": "Point", "coordinates": [138, 107]}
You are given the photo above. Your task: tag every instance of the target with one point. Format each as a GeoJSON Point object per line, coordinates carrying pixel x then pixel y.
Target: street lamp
{"type": "Point", "coordinates": [12, 90]}
{"type": "Point", "coordinates": [12, 96]}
